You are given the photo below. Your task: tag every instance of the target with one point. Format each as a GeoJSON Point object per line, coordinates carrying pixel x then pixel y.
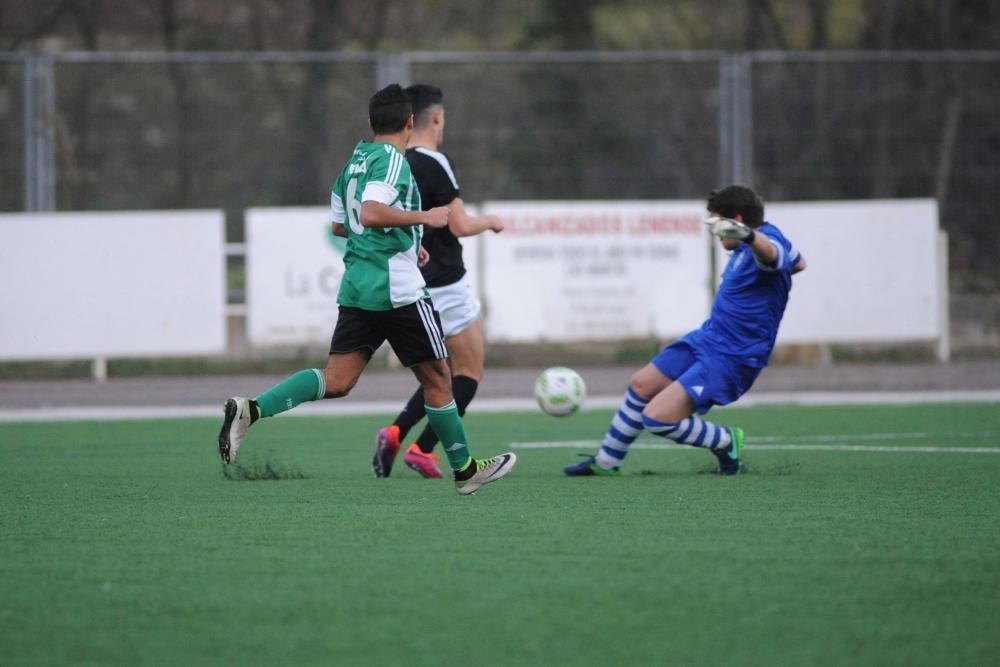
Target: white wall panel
{"type": "Point", "coordinates": [873, 271]}
{"type": "Point", "coordinates": [112, 284]}
{"type": "Point", "coordinates": [565, 270]}
{"type": "Point", "coordinates": [293, 266]}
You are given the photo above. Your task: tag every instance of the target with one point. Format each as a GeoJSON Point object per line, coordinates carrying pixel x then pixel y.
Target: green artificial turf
{"type": "Point", "coordinates": [124, 543]}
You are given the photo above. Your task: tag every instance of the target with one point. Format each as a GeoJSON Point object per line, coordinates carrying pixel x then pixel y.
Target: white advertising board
{"type": "Point", "coordinates": [293, 270]}
{"type": "Point", "coordinates": [294, 265]}
{"type": "Point", "coordinates": [112, 284]}
{"type": "Point", "coordinates": [873, 272]}
{"type": "Point", "coordinates": [564, 271]}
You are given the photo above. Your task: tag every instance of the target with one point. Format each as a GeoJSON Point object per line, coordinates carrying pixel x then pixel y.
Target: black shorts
{"type": "Point", "coordinates": [413, 331]}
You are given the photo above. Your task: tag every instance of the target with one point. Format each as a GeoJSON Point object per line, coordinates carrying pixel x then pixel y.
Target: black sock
{"type": "Point", "coordinates": [462, 475]}
{"type": "Point", "coordinates": [464, 389]}
{"type": "Point", "coordinates": [411, 414]}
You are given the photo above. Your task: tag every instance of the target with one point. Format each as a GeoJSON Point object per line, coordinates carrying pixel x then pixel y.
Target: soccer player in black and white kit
{"type": "Point", "coordinates": [446, 281]}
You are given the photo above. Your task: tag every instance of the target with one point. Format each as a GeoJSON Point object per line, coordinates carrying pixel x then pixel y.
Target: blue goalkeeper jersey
{"type": "Point", "coordinates": [751, 301]}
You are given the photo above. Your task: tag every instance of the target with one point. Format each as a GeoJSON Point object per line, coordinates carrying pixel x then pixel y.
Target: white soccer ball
{"type": "Point", "coordinates": [560, 391]}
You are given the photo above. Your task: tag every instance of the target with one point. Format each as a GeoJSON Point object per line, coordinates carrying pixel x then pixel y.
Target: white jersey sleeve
{"type": "Point", "coordinates": [380, 192]}
{"type": "Point", "coordinates": [336, 209]}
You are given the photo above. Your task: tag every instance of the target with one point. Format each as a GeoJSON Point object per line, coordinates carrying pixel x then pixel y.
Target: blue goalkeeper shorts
{"type": "Point", "coordinates": [708, 377]}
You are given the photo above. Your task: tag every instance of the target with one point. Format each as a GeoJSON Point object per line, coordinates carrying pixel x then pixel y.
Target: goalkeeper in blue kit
{"type": "Point", "coordinates": [718, 362]}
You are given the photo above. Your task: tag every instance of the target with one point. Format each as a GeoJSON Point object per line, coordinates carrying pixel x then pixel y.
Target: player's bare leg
{"type": "Point", "coordinates": [435, 379]}
{"type": "Point", "coordinates": [625, 427]}
{"type": "Point", "coordinates": [671, 414]}
{"type": "Point", "coordinates": [433, 376]}
{"type": "Point", "coordinates": [466, 351]}
{"type": "Point", "coordinates": [672, 403]}
{"type": "Point", "coordinates": [465, 355]}
{"type": "Point", "coordinates": [312, 384]}
{"type": "Point", "coordinates": [342, 372]}
{"type": "Point", "coordinates": [442, 413]}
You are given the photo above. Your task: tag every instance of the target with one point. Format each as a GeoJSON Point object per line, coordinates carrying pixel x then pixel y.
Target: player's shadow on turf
{"type": "Point", "coordinates": [779, 469]}
{"type": "Point", "coordinates": [260, 469]}
{"type": "Point", "coordinates": [707, 470]}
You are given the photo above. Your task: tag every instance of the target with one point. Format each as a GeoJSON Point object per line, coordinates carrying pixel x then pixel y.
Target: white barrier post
{"type": "Point", "coordinates": [99, 369]}
{"type": "Point", "coordinates": [944, 315]}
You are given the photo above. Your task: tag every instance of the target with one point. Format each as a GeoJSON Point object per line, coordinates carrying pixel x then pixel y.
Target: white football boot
{"type": "Point", "coordinates": [487, 470]}
{"type": "Point", "coordinates": [234, 427]}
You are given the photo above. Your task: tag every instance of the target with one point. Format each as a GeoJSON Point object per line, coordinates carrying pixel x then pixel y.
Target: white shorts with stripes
{"type": "Point", "coordinates": [457, 305]}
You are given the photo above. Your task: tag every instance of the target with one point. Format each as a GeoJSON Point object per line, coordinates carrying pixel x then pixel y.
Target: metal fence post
{"type": "Point", "coordinates": [741, 92]}
{"type": "Point", "coordinates": [725, 120]}
{"type": "Point", "coordinates": [736, 119]}
{"type": "Point", "coordinates": [726, 111]}
{"type": "Point", "coordinates": [39, 129]}
{"type": "Point", "coordinates": [943, 348]}
{"type": "Point", "coordinates": [29, 133]}
{"type": "Point", "coordinates": [392, 68]}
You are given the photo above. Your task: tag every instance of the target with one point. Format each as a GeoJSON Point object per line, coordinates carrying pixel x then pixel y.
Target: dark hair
{"type": "Point", "coordinates": [389, 109]}
{"type": "Point", "coordinates": [423, 96]}
{"type": "Point", "coordinates": [735, 200]}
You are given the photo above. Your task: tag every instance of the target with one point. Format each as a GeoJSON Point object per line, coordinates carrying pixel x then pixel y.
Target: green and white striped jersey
{"type": "Point", "coordinates": [380, 264]}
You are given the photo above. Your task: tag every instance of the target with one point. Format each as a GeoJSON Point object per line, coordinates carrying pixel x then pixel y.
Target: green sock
{"type": "Point", "coordinates": [306, 385]}
{"type": "Point", "coordinates": [448, 426]}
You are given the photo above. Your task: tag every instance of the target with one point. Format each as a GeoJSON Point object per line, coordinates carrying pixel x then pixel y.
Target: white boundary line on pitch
{"type": "Point", "coordinates": [869, 437]}
{"type": "Point", "coordinates": [593, 444]}
{"type": "Point", "coordinates": [333, 408]}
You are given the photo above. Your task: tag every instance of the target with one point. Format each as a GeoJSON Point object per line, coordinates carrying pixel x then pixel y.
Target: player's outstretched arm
{"type": "Point", "coordinates": [763, 248]}
{"type": "Point", "coordinates": [760, 245]}
{"type": "Point", "coordinates": [463, 224]}
{"type": "Point", "coordinates": [377, 214]}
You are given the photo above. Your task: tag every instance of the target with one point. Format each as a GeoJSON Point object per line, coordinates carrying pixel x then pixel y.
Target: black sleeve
{"type": "Point", "coordinates": [447, 188]}
{"type": "Point", "coordinates": [436, 186]}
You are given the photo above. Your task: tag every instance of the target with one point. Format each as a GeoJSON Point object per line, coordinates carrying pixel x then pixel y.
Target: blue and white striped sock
{"type": "Point", "coordinates": [624, 429]}
{"type": "Point", "coordinates": [692, 430]}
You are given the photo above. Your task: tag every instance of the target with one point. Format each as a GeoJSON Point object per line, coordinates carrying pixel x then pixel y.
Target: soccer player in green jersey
{"type": "Point", "coordinates": [382, 297]}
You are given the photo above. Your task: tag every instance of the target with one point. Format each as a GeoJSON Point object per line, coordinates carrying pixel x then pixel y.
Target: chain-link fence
{"type": "Point", "coordinates": [12, 133]}
{"type": "Point", "coordinates": [95, 131]}
{"type": "Point", "coordinates": [582, 126]}
{"type": "Point", "coordinates": [862, 125]}
{"type": "Point", "coordinates": [189, 133]}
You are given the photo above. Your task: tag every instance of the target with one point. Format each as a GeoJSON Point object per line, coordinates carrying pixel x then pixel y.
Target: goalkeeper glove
{"type": "Point", "coordinates": [727, 228]}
